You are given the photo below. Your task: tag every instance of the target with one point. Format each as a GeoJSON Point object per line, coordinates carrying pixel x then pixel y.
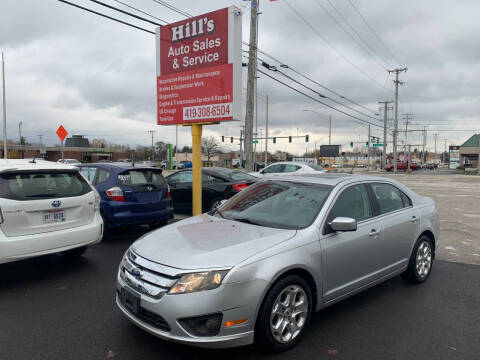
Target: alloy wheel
{"type": "Point", "coordinates": [289, 314]}
{"type": "Point", "coordinates": [423, 262]}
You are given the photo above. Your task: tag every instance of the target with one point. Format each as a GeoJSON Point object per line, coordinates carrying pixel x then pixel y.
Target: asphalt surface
{"type": "Point", "coordinates": [51, 308]}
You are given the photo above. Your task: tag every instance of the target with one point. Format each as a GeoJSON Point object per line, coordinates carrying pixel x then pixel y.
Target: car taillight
{"type": "Point", "coordinates": [240, 187]}
{"type": "Point", "coordinates": [96, 207]}
{"type": "Point", "coordinates": [168, 192]}
{"type": "Point", "coordinates": [115, 194]}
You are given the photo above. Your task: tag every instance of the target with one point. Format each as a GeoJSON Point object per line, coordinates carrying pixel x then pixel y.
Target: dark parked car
{"type": "Point", "coordinates": [130, 195]}
{"type": "Point", "coordinates": [217, 184]}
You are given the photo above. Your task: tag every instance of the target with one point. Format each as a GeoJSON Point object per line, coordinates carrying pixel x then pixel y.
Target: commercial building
{"type": "Point", "coordinates": [469, 151]}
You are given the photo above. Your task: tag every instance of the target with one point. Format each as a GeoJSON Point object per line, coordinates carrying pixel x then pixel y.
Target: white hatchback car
{"type": "Point", "coordinates": [46, 208]}
{"type": "Point", "coordinates": [289, 168]}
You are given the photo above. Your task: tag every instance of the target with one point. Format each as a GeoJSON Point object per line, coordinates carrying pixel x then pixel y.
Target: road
{"type": "Point", "coordinates": [54, 309]}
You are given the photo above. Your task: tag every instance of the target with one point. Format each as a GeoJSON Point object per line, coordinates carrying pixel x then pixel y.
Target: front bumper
{"type": "Point", "coordinates": [235, 301]}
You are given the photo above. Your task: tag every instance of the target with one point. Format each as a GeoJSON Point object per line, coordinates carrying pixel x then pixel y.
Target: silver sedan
{"type": "Point", "coordinates": [256, 269]}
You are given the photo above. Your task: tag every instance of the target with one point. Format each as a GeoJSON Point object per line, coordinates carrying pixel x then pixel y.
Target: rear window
{"type": "Point", "coordinates": [234, 175]}
{"type": "Point", "coordinates": [142, 179]}
{"type": "Point", "coordinates": [42, 185]}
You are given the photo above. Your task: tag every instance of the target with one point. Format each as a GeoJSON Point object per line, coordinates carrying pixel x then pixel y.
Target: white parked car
{"type": "Point", "coordinates": [74, 162]}
{"type": "Point", "coordinates": [288, 168]}
{"type": "Point", "coordinates": [46, 208]}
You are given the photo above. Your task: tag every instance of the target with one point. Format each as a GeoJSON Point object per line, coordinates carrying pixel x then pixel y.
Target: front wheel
{"type": "Point", "coordinates": [285, 314]}
{"type": "Point", "coordinates": [421, 261]}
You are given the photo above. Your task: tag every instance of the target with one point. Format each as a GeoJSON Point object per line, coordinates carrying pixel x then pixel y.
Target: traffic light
{"type": "Point", "coordinates": [231, 139]}
{"type": "Point", "coordinates": [351, 144]}
{"type": "Point", "coordinates": [223, 138]}
{"type": "Point", "coordinates": [306, 138]}
{"type": "Point", "coordinates": [274, 140]}
{"type": "Point", "coordinates": [289, 139]}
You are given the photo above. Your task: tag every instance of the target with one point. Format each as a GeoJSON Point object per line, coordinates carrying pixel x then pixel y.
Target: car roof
{"type": "Point", "coordinates": [332, 179]}
{"type": "Point", "coordinates": [31, 164]}
{"type": "Point", "coordinates": [118, 166]}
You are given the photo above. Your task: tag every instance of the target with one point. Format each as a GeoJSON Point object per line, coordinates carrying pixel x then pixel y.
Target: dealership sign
{"type": "Point", "coordinates": [199, 69]}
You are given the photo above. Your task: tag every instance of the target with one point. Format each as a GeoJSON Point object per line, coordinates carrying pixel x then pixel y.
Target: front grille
{"type": "Point", "coordinates": [147, 277]}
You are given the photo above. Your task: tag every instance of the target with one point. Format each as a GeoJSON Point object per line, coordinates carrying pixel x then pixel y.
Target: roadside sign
{"type": "Point", "coordinates": [62, 133]}
{"type": "Point", "coordinates": [377, 145]}
{"type": "Point", "coordinates": [255, 142]}
{"type": "Point", "coordinates": [199, 69]}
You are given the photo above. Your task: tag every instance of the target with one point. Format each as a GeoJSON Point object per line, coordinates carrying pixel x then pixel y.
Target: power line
{"type": "Point", "coordinates": [367, 50]}
{"type": "Point", "coordinates": [106, 16]}
{"type": "Point", "coordinates": [373, 31]}
{"type": "Point", "coordinates": [125, 12]}
{"type": "Point", "coordinates": [285, 66]}
{"type": "Point", "coordinates": [358, 35]}
{"type": "Point", "coordinates": [329, 44]}
{"type": "Point", "coordinates": [173, 8]}
{"type": "Point", "coordinates": [314, 99]}
{"type": "Point", "coordinates": [140, 11]}
{"type": "Point", "coordinates": [274, 68]}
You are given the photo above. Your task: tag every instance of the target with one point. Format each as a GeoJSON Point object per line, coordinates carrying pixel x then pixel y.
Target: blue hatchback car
{"type": "Point", "coordinates": [130, 195]}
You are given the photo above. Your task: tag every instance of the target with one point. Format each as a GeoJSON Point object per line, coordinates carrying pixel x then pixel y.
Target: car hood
{"type": "Point", "coordinates": [206, 241]}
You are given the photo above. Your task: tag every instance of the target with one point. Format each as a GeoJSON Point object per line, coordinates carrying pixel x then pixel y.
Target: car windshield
{"type": "Point", "coordinates": [284, 205]}
{"type": "Point", "coordinates": [234, 175]}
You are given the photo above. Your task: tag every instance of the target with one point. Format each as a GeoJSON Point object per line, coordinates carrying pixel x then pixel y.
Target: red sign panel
{"type": "Point", "coordinates": [195, 43]}
{"type": "Point", "coordinates": [205, 94]}
{"type": "Point", "coordinates": [62, 133]}
{"type": "Point", "coordinates": [198, 79]}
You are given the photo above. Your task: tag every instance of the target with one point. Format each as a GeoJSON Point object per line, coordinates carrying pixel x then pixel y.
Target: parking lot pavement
{"type": "Point", "coordinates": [54, 309]}
{"type": "Point", "coordinates": [458, 200]}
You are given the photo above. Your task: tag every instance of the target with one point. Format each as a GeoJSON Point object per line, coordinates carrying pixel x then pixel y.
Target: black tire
{"type": "Point", "coordinates": [413, 274]}
{"type": "Point", "coordinates": [263, 333]}
{"type": "Point", "coordinates": [74, 253]}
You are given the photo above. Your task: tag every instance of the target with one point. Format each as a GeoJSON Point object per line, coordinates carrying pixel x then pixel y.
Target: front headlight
{"type": "Point", "coordinates": [202, 281]}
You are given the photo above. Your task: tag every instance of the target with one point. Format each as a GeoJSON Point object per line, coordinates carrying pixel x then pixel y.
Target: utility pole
{"type": "Point", "coordinates": [385, 120]}
{"type": "Point", "coordinates": [241, 148]}
{"type": "Point", "coordinates": [176, 144]}
{"type": "Point", "coordinates": [424, 144]}
{"type": "Point", "coordinates": [395, 130]}
{"type": "Point", "coordinates": [252, 74]}
{"type": "Point", "coordinates": [20, 131]}
{"type": "Point", "coordinates": [153, 149]}
{"type": "Point", "coordinates": [266, 133]}
{"type": "Point", "coordinates": [329, 130]}
{"type": "Point", "coordinates": [435, 136]}
{"type": "Point", "coordinates": [5, 150]}
{"type": "Point", "coordinates": [368, 149]}
{"type": "Point", "coordinates": [40, 137]}
{"type": "Point", "coordinates": [406, 118]}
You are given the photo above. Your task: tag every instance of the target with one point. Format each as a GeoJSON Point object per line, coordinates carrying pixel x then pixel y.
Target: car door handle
{"type": "Point", "coordinates": [414, 219]}
{"type": "Point", "coordinates": [374, 232]}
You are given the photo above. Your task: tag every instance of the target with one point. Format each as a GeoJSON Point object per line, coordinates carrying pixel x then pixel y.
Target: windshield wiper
{"type": "Point", "coordinates": [217, 211]}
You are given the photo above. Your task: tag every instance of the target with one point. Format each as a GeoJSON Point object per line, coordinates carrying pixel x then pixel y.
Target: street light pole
{"type": "Point", "coordinates": [266, 133]}
{"type": "Point", "coordinates": [20, 131]}
{"type": "Point", "coordinates": [5, 150]}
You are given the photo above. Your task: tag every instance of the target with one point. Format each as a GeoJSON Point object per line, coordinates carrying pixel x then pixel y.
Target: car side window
{"type": "Point", "coordinates": [388, 197]}
{"type": "Point", "coordinates": [291, 168]}
{"type": "Point", "coordinates": [353, 203]}
{"type": "Point", "coordinates": [89, 173]}
{"type": "Point", "coordinates": [180, 177]}
{"type": "Point", "coordinates": [406, 200]}
{"type": "Point", "coordinates": [208, 178]}
{"type": "Point", "coordinates": [102, 176]}
{"type": "Point", "coordinates": [272, 169]}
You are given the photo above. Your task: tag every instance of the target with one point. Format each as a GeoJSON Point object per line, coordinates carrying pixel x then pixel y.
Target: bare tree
{"type": "Point", "coordinates": [210, 147]}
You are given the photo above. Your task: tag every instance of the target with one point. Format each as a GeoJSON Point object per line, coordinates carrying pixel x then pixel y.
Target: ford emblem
{"type": "Point", "coordinates": [56, 203]}
{"type": "Point", "coordinates": [136, 272]}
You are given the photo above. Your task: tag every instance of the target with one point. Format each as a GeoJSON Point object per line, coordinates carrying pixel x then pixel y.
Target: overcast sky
{"type": "Point", "coordinates": [97, 77]}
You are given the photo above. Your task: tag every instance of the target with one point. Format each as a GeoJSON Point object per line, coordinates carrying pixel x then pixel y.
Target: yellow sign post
{"type": "Point", "coordinates": [196, 169]}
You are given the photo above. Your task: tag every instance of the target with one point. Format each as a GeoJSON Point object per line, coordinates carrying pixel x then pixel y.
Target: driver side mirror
{"type": "Point", "coordinates": [343, 224]}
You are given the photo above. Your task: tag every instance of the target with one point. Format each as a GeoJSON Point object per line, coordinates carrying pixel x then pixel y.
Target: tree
{"type": "Point", "coordinates": [186, 149]}
{"type": "Point", "coordinates": [209, 147]}
{"type": "Point", "coordinates": [98, 143]}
